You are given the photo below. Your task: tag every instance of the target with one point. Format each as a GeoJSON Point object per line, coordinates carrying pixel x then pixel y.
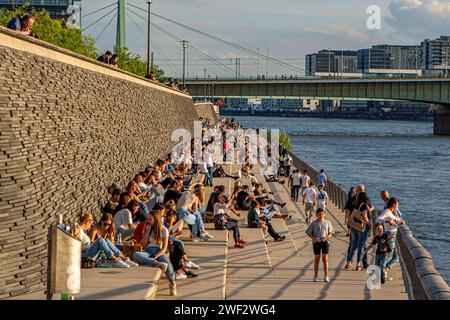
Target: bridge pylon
{"type": "Point", "coordinates": [121, 37]}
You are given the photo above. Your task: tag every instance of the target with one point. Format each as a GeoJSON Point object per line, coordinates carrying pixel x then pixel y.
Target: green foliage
{"type": "Point", "coordinates": [285, 140]}
{"type": "Point", "coordinates": [134, 64]}
{"type": "Point", "coordinates": [55, 31]}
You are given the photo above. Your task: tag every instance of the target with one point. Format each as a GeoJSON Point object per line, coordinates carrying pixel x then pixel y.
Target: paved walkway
{"type": "Point", "coordinates": [272, 270]}
{"type": "Point", "coordinates": [276, 270]}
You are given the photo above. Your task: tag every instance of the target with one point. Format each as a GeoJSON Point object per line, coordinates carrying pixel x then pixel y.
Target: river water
{"type": "Point", "coordinates": [401, 156]}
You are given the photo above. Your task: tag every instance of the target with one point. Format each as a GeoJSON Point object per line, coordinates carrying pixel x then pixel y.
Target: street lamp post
{"type": "Point", "coordinates": [204, 73]}
{"type": "Point", "coordinates": [329, 62]}
{"type": "Point", "coordinates": [257, 65]}
{"type": "Point", "coordinates": [149, 40]}
{"type": "Point", "coordinates": [184, 43]}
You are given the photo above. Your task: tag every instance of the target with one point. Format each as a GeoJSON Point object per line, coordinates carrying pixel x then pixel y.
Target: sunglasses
{"type": "Point", "coordinates": [105, 224]}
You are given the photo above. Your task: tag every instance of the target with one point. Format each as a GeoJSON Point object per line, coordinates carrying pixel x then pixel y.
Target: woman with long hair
{"type": "Point", "coordinates": [358, 239]}
{"type": "Point", "coordinates": [178, 256]}
{"type": "Point", "coordinates": [192, 218]}
{"type": "Point", "coordinates": [155, 241]}
{"type": "Point", "coordinates": [101, 238]}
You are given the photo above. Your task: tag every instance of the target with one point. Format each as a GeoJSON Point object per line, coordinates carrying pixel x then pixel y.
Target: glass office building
{"type": "Point", "coordinates": [435, 54]}
{"type": "Point", "coordinates": [331, 62]}
{"type": "Point", "coordinates": [56, 8]}
{"type": "Point", "coordinates": [389, 59]}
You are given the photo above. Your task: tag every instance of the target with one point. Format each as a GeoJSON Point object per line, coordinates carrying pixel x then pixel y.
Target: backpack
{"type": "Point", "coordinates": [355, 221]}
{"type": "Point", "coordinates": [220, 222]}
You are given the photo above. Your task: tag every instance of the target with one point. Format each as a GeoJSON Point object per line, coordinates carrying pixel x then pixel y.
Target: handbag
{"type": "Point", "coordinates": [355, 221]}
{"type": "Point", "coordinates": [220, 222]}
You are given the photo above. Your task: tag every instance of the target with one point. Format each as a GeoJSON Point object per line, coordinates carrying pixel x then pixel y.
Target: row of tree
{"type": "Point", "coordinates": [55, 31]}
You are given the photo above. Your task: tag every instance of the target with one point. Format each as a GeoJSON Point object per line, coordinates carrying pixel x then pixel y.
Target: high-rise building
{"type": "Point", "coordinates": [435, 54]}
{"type": "Point", "coordinates": [331, 63]}
{"type": "Point", "coordinates": [56, 8]}
{"type": "Point", "coordinates": [389, 59]}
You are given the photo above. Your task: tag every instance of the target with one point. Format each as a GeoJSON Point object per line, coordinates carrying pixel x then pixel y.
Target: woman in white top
{"type": "Point", "coordinates": [193, 218]}
{"type": "Point", "coordinates": [322, 198]}
{"type": "Point", "coordinates": [390, 222]}
{"type": "Point", "coordinates": [91, 250]}
{"type": "Point", "coordinates": [155, 242]}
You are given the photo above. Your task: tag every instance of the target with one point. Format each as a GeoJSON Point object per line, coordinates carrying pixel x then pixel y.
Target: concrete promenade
{"type": "Point", "coordinates": [276, 270]}
{"type": "Point", "coordinates": [260, 271]}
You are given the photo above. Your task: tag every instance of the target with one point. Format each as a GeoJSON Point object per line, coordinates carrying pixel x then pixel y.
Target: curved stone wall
{"type": "Point", "coordinates": [69, 127]}
{"type": "Point", "coordinates": [207, 110]}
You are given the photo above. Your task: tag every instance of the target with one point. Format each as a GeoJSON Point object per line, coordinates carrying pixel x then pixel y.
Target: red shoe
{"type": "Point", "coordinates": [238, 246]}
{"type": "Point", "coordinates": [242, 241]}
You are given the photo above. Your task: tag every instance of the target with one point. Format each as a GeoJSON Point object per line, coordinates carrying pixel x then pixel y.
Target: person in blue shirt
{"type": "Point", "coordinates": [322, 179]}
{"type": "Point", "coordinates": [22, 25]}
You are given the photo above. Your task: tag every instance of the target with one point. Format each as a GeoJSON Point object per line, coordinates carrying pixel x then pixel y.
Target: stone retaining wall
{"type": "Point", "coordinates": [69, 127]}
{"type": "Point", "coordinates": [207, 110]}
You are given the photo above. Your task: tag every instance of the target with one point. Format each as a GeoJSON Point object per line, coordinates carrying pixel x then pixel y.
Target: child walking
{"type": "Point", "coordinates": [320, 231]}
{"type": "Point", "coordinates": [381, 240]}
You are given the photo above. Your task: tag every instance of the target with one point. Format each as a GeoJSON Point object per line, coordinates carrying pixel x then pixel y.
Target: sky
{"type": "Point", "coordinates": [287, 29]}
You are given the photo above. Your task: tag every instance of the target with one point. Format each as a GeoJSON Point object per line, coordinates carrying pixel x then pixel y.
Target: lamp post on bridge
{"type": "Point", "coordinates": [149, 40]}
{"type": "Point", "coordinates": [184, 44]}
{"type": "Point", "coordinates": [204, 78]}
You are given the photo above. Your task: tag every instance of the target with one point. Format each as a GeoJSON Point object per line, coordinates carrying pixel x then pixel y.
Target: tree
{"type": "Point", "coordinates": [135, 64]}
{"type": "Point", "coordinates": [285, 140]}
{"type": "Point", "coordinates": [56, 32]}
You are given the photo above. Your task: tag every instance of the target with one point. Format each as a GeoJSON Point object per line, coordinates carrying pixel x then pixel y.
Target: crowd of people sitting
{"type": "Point", "coordinates": [149, 214]}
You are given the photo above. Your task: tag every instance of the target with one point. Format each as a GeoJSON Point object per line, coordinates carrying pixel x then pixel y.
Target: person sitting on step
{"type": "Point", "coordinates": [257, 219]}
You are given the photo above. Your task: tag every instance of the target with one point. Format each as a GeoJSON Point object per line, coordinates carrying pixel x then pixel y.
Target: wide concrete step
{"type": "Point", "coordinates": [211, 256]}
{"type": "Point", "coordinates": [119, 284]}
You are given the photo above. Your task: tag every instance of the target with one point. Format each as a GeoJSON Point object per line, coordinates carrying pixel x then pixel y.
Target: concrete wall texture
{"type": "Point", "coordinates": [206, 110]}
{"type": "Point", "coordinates": [66, 133]}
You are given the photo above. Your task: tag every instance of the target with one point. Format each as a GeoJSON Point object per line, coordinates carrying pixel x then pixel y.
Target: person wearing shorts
{"type": "Point", "coordinates": [309, 201]}
{"type": "Point", "coordinates": [320, 231]}
{"type": "Point", "coordinates": [304, 182]}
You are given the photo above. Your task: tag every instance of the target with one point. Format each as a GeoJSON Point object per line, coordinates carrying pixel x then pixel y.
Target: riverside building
{"type": "Point", "coordinates": [435, 55]}
{"type": "Point", "coordinates": [332, 63]}
{"type": "Point", "coordinates": [390, 60]}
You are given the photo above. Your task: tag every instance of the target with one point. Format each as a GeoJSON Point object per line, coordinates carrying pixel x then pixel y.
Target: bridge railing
{"type": "Point", "coordinates": [303, 77]}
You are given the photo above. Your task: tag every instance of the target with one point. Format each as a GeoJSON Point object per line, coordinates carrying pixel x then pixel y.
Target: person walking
{"type": "Point", "coordinates": [304, 183]}
{"type": "Point", "coordinates": [381, 240]}
{"type": "Point", "coordinates": [359, 237]}
{"type": "Point", "coordinates": [295, 184]}
{"type": "Point", "coordinates": [322, 198]}
{"type": "Point", "coordinates": [309, 201]}
{"type": "Point", "coordinates": [390, 222]}
{"type": "Point", "coordinates": [320, 231]}
{"type": "Point", "coordinates": [288, 164]}
{"type": "Point", "coordinates": [322, 179]}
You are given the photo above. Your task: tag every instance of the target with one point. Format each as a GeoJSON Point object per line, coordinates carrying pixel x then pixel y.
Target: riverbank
{"type": "Point", "coordinates": [401, 156]}
{"type": "Point", "coordinates": [421, 279]}
{"type": "Point", "coordinates": [332, 115]}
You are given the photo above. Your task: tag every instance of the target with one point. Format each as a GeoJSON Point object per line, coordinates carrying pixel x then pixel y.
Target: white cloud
{"type": "Point", "coordinates": [420, 18]}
